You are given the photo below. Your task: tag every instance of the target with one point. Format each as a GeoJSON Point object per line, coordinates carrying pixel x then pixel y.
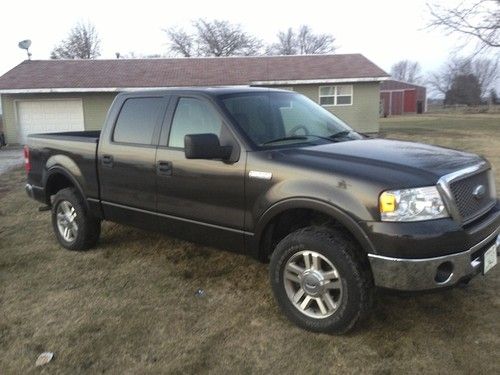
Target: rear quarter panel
{"type": "Point", "coordinates": [77, 157]}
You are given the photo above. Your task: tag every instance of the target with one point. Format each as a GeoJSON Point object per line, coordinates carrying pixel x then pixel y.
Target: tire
{"type": "Point", "coordinates": [335, 274]}
{"type": "Point", "coordinates": [69, 211]}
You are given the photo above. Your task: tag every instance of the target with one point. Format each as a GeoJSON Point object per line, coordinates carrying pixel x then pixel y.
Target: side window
{"type": "Point", "coordinates": [137, 120]}
{"type": "Point", "coordinates": [193, 116]}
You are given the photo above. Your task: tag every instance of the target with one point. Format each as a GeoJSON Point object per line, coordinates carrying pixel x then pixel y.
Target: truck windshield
{"type": "Point", "coordinates": [282, 118]}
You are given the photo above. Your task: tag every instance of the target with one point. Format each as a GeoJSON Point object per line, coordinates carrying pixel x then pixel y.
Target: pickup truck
{"type": "Point", "coordinates": [272, 174]}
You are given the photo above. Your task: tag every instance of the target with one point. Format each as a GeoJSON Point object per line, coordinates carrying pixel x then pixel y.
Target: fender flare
{"type": "Point", "coordinates": [308, 203]}
{"type": "Point", "coordinates": [58, 169]}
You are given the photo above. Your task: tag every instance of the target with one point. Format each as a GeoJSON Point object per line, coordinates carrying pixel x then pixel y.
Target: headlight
{"type": "Point", "coordinates": [417, 204]}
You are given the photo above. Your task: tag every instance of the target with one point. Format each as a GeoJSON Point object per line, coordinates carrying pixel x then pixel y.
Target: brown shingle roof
{"type": "Point", "coordinates": [85, 74]}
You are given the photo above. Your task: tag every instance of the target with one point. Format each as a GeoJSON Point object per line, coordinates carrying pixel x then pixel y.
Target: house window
{"type": "Point", "coordinates": [335, 95]}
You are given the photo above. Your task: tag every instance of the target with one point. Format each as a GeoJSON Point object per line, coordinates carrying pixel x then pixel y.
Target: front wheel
{"type": "Point", "coordinates": [74, 227]}
{"type": "Point", "coordinates": [319, 281]}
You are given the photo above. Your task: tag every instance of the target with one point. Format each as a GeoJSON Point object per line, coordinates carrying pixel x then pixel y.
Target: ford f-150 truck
{"type": "Point", "coordinates": [272, 174]}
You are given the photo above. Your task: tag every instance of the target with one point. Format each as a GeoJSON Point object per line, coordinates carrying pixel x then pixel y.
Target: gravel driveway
{"type": "Point", "coordinates": [10, 158]}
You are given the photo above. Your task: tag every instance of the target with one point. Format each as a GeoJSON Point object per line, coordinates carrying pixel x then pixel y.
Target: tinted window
{"type": "Point", "coordinates": [137, 120]}
{"type": "Point", "coordinates": [193, 116]}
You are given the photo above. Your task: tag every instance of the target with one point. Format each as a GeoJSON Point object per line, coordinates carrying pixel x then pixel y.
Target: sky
{"type": "Point", "coordinates": [385, 31]}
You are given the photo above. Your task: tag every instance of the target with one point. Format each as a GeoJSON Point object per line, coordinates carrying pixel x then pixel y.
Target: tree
{"type": "Point", "coordinates": [440, 81]}
{"type": "Point", "coordinates": [494, 97]}
{"type": "Point", "coordinates": [213, 38]}
{"type": "Point", "coordinates": [287, 44]}
{"type": "Point", "coordinates": [465, 89]}
{"type": "Point", "coordinates": [181, 43]}
{"type": "Point", "coordinates": [407, 71]}
{"type": "Point", "coordinates": [476, 19]}
{"type": "Point", "coordinates": [83, 42]}
{"type": "Point", "coordinates": [302, 42]}
{"type": "Point", "coordinates": [485, 70]}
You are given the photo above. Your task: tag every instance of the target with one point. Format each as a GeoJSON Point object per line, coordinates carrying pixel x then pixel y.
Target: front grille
{"type": "Point", "coordinates": [467, 204]}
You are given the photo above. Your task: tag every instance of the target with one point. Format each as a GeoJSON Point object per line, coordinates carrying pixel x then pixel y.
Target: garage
{"type": "Point", "coordinates": [47, 116]}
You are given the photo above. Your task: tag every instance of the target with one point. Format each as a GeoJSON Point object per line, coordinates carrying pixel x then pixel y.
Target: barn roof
{"type": "Point", "coordinates": [392, 84]}
{"type": "Point", "coordinates": [119, 74]}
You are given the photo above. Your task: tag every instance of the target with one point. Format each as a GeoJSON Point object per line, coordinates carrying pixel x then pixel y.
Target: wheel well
{"type": "Point", "coordinates": [56, 182]}
{"type": "Point", "coordinates": [291, 220]}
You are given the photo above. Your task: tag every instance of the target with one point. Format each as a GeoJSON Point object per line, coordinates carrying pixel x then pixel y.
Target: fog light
{"type": "Point", "coordinates": [444, 272]}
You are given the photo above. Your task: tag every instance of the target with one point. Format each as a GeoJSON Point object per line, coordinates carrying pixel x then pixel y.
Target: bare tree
{"type": "Point", "coordinates": [302, 42]}
{"type": "Point", "coordinates": [287, 44]}
{"type": "Point", "coordinates": [483, 69]}
{"type": "Point", "coordinates": [486, 71]}
{"type": "Point", "coordinates": [83, 42]}
{"type": "Point", "coordinates": [407, 71]}
{"type": "Point", "coordinates": [181, 43]}
{"type": "Point", "coordinates": [221, 38]}
{"type": "Point", "coordinates": [477, 19]}
{"type": "Point", "coordinates": [213, 38]}
{"type": "Point", "coordinates": [314, 44]}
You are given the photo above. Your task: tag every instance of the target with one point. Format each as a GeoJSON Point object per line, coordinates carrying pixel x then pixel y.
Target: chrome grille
{"type": "Point", "coordinates": [469, 206]}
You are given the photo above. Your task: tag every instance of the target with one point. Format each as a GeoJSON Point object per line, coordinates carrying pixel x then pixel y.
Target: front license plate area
{"type": "Point", "coordinates": [490, 258]}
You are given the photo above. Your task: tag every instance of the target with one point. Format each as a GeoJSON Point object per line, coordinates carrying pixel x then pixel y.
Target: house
{"type": "Point", "coordinates": [69, 95]}
{"type": "Point", "coordinates": [399, 98]}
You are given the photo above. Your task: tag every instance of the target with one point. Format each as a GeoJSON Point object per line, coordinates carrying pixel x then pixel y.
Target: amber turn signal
{"type": "Point", "coordinates": [387, 202]}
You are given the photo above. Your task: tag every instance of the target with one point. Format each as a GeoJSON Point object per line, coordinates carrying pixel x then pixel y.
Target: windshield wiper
{"type": "Point", "coordinates": [340, 134]}
{"type": "Point", "coordinates": [290, 138]}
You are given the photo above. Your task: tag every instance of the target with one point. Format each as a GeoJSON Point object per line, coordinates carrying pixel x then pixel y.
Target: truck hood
{"type": "Point", "coordinates": [399, 156]}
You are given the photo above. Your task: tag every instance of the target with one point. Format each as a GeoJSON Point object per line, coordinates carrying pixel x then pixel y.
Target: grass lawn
{"type": "Point", "coordinates": [130, 305]}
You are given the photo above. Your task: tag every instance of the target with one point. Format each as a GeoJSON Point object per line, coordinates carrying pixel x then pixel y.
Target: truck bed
{"type": "Point", "coordinates": [81, 136]}
{"type": "Point", "coordinates": [75, 151]}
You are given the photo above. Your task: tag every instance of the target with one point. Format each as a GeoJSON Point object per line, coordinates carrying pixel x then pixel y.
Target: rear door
{"type": "Point", "coordinates": [199, 200]}
{"type": "Point", "coordinates": [126, 160]}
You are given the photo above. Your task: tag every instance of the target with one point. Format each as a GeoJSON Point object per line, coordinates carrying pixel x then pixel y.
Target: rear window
{"type": "Point", "coordinates": [137, 121]}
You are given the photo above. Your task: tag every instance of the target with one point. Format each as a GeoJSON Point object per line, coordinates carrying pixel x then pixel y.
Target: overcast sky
{"type": "Point", "coordinates": [384, 31]}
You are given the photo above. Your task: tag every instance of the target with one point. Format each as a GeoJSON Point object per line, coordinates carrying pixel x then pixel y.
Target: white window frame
{"type": "Point", "coordinates": [334, 96]}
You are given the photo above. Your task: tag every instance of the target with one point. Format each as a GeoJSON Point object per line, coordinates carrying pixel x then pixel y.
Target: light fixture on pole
{"type": "Point", "coordinates": [25, 44]}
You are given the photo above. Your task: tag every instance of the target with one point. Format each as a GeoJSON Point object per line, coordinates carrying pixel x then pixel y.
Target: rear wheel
{"type": "Point", "coordinates": [319, 281]}
{"type": "Point", "coordinates": [74, 227]}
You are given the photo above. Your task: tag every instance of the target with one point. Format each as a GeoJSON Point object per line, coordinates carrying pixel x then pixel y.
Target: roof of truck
{"type": "Point", "coordinates": [212, 90]}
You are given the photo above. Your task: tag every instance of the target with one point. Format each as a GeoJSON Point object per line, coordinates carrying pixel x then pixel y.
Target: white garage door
{"type": "Point", "coordinates": [47, 116]}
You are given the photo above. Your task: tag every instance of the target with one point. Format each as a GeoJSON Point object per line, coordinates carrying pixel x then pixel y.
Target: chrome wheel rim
{"type": "Point", "coordinates": [66, 223]}
{"type": "Point", "coordinates": [313, 284]}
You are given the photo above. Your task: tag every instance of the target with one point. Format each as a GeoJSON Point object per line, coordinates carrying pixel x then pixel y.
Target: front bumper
{"type": "Point", "coordinates": [431, 273]}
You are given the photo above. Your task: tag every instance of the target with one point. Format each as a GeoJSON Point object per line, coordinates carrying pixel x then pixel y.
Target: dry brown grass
{"type": "Point", "coordinates": [129, 306]}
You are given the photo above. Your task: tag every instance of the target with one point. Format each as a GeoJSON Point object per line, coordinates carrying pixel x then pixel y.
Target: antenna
{"type": "Point", "coordinates": [25, 44]}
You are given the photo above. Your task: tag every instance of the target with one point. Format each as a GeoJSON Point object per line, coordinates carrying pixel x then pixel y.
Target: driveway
{"type": "Point", "coordinates": [10, 158]}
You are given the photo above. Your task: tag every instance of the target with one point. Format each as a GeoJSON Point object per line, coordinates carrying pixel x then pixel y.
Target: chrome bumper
{"type": "Point", "coordinates": [430, 273]}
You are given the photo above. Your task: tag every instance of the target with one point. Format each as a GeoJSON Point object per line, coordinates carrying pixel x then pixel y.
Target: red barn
{"type": "Point", "coordinates": [399, 98]}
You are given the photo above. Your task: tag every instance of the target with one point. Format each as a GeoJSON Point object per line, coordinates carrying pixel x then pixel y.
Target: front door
{"type": "Point", "coordinates": [203, 199]}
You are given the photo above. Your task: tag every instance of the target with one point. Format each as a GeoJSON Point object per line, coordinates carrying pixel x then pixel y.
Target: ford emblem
{"type": "Point", "coordinates": [479, 191]}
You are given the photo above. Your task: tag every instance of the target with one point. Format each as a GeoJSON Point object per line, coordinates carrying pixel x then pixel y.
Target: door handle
{"type": "Point", "coordinates": [164, 168]}
{"type": "Point", "coordinates": [107, 160]}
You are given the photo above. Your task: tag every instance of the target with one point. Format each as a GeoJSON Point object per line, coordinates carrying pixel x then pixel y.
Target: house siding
{"type": "Point", "coordinates": [95, 108]}
{"type": "Point", "coordinates": [362, 115]}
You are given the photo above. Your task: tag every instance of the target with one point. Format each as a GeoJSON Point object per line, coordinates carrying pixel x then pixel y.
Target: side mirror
{"type": "Point", "coordinates": [205, 146]}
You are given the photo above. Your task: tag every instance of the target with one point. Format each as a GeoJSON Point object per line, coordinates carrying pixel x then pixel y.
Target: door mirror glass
{"type": "Point", "coordinates": [205, 146]}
